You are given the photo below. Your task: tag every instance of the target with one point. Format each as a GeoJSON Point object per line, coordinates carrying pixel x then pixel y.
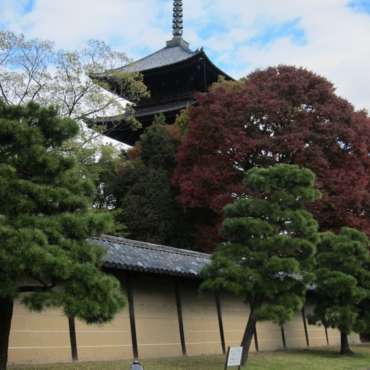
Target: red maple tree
{"type": "Point", "coordinates": [281, 114]}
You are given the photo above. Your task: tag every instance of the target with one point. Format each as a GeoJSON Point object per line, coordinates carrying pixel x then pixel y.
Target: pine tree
{"type": "Point", "coordinates": [267, 257]}
{"type": "Point", "coordinates": [342, 283]}
{"type": "Point", "coordinates": [46, 219]}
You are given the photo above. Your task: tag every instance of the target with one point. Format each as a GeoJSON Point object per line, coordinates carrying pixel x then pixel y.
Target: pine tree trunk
{"type": "Point", "coordinates": [6, 313]}
{"type": "Point", "coordinates": [344, 344]}
{"type": "Point", "coordinates": [248, 336]}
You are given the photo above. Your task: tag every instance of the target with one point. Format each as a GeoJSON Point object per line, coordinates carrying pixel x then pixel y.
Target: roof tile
{"type": "Point", "coordinates": [126, 254]}
{"type": "Point", "coordinates": [161, 58]}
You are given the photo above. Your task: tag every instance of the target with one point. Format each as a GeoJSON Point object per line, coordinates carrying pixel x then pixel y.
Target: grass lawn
{"type": "Point", "coordinates": [321, 359]}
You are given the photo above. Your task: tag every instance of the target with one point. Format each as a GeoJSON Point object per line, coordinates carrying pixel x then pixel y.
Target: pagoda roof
{"type": "Point", "coordinates": [164, 57]}
{"type": "Point", "coordinates": [175, 52]}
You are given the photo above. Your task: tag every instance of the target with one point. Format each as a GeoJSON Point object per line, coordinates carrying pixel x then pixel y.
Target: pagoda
{"type": "Point", "coordinates": [173, 75]}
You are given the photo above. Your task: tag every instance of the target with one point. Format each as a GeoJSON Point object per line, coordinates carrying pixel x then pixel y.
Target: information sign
{"type": "Point", "coordinates": [234, 357]}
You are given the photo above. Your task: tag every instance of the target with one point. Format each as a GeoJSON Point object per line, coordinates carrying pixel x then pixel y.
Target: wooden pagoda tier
{"type": "Point", "coordinates": [173, 75]}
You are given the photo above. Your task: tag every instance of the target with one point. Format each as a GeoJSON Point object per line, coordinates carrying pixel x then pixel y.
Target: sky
{"type": "Point", "coordinates": [329, 37]}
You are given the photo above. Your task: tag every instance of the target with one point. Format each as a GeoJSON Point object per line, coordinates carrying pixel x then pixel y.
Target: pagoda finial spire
{"type": "Point", "coordinates": [178, 25]}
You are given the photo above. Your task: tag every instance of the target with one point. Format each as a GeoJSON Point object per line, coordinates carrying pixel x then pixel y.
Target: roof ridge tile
{"type": "Point", "coordinates": [147, 245]}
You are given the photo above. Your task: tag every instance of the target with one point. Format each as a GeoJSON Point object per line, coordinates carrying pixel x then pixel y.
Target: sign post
{"type": "Point", "coordinates": [234, 357]}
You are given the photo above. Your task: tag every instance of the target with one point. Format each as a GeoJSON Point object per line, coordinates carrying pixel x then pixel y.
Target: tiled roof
{"type": "Point", "coordinates": [161, 58]}
{"type": "Point", "coordinates": [126, 254]}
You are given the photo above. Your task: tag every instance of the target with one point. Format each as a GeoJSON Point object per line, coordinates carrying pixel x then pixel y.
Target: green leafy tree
{"type": "Point", "coordinates": [182, 121]}
{"type": "Point", "coordinates": [144, 191]}
{"type": "Point", "coordinates": [268, 254]}
{"type": "Point", "coordinates": [149, 209]}
{"type": "Point", "coordinates": [159, 146]}
{"type": "Point", "coordinates": [103, 172]}
{"type": "Point", "coordinates": [342, 283]}
{"type": "Point", "coordinates": [46, 218]}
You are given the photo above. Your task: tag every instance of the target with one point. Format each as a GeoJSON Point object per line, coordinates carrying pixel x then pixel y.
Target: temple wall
{"type": "Point", "coordinates": [202, 332]}
{"type": "Point", "coordinates": [234, 315]}
{"type": "Point", "coordinates": [105, 342]}
{"type": "Point", "coordinates": [39, 337]}
{"type": "Point", "coordinates": [294, 332]}
{"type": "Point", "coordinates": [156, 317]}
{"type": "Point", "coordinates": [45, 337]}
{"type": "Point", "coordinates": [353, 339]}
{"type": "Point", "coordinates": [269, 336]}
{"type": "Point", "coordinates": [317, 333]}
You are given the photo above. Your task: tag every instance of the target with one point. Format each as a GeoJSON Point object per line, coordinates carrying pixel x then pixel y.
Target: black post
{"type": "Point", "coordinates": [283, 336]}
{"type": "Point", "coordinates": [256, 338]}
{"type": "Point", "coordinates": [180, 318]}
{"type": "Point", "coordinates": [220, 322]}
{"type": "Point", "coordinates": [131, 306]}
{"type": "Point", "coordinates": [73, 338]}
{"type": "Point", "coordinates": [305, 327]}
{"type": "Point", "coordinates": [6, 314]}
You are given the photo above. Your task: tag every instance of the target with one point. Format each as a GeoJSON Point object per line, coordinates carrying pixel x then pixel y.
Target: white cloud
{"type": "Point", "coordinates": [336, 46]}
{"type": "Point", "coordinates": [71, 22]}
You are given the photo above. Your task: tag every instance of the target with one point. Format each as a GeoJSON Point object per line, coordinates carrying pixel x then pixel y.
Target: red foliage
{"type": "Point", "coordinates": [281, 114]}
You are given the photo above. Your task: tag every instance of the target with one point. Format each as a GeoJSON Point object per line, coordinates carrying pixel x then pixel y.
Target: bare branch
{"type": "Point", "coordinates": [3, 93]}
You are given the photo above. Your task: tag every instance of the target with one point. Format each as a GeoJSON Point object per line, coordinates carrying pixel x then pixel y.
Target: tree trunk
{"type": "Point", "coordinates": [344, 344]}
{"type": "Point", "coordinates": [6, 313]}
{"type": "Point", "coordinates": [248, 336]}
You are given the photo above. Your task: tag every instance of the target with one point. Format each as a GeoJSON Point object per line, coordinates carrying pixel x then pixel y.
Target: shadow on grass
{"type": "Point", "coordinates": [329, 353]}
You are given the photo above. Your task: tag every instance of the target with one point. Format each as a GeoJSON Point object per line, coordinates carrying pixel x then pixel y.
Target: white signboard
{"type": "Point", "coordinates": [234, 357]}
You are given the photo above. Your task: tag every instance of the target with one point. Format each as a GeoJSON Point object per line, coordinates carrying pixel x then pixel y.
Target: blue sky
{"type": "Point", "coordinates": [330, 37]}
{"type": "Point", "coordinates": [360, 5]}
